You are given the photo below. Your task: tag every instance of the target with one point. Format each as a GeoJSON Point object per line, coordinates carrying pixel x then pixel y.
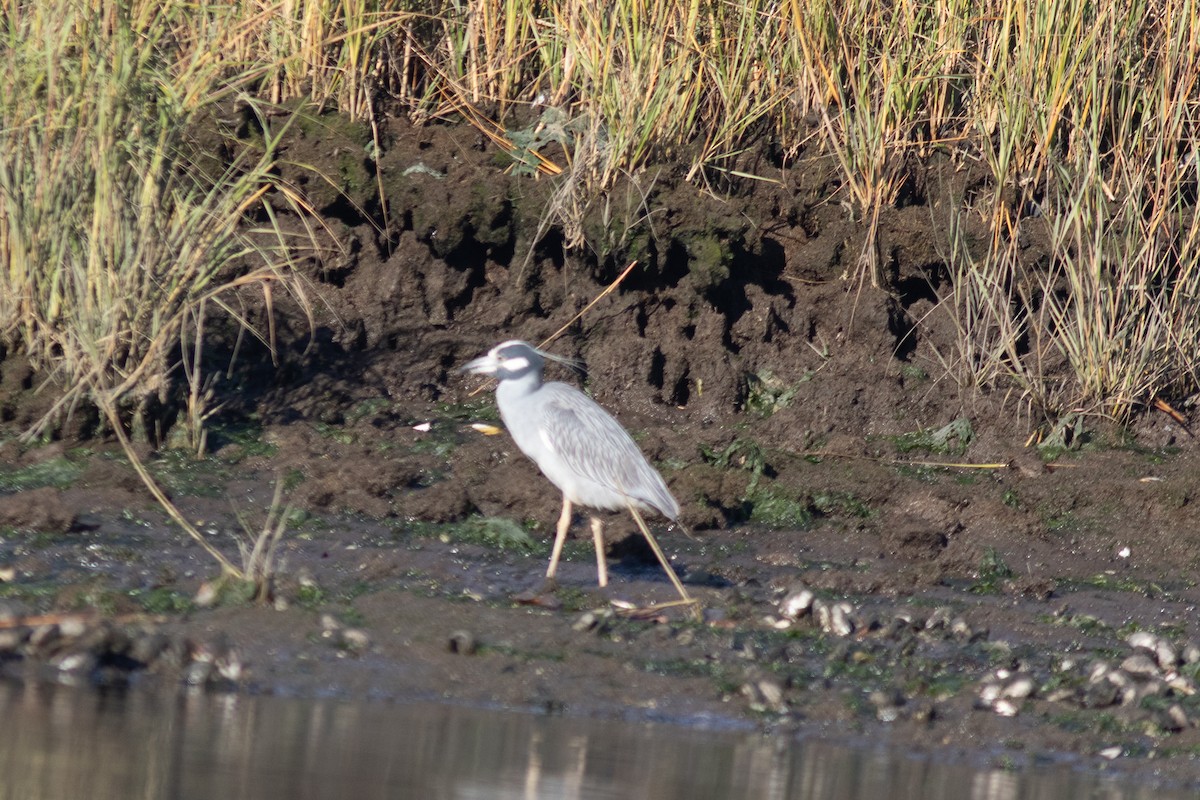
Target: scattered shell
{"type": "Point", "coordinates": [1181, 684]}
{"type": "Point", "coordinates": [764, 694]}
{"type": "Point", "coordinates": [355, 640]}
{"type": "Point", "coordinates": [887, 714]}
{"type": "Point", "coordinates": [746, 647]}
{"type": "Point", "coordinates": [820, 612]}
{"type": "Point", "coordinates": [940, 618]}
{"type": "Point", "coordinates": [1005, 707]}
{"type": "Point", "coordinates": [887, 704]}
{"type": "Point", "coordinates": [1167, 657]}
{"type": "Point", "coordinates": [1174, 719]}
{"type": "Point", "coordinates": [1004, 690]}
{"type": "Point", "coordinates": [198, 673]}
{"type": "Point", "coordinates": [1110, 753]}
{"type": "Point", "coordinates": [72, 627]}
{"type": "Point", "coordinates": [1119, 678]}
{"type": "Point", "coordinates": [76, 662]}
{"type": "Point", "coordinates": [923, 710]}
{"type": "Point", "coordinates": [1142, 639]}
{"type": "Point", "coordinates": [1098, 671]}
{"type": "Point", "coordinates": [1060, 695]}
{"type": "Point", "coordinates": [1020, 687]}
{"type": "Point", "coordinates": [587, 620]}
{"type": "Point", "coordinates": [796, 603]}
{"type": "Point", "coordinates": [840, 621]}
{"type": "Point", "coordinates": [1191, 652]}
{"type": "Point", "coordinates": [1140, 664]}
{"type": "Point", "coordinates": [229, 665]}
{"type": "Point", "coordinates": [206, 595]}
{"type": "Point", "coordinates": [772, 691]}
{"type": "Point", "coordinates": [1161, 649]}
{"type": "Point", "coordinates": [989, 693]}
{"type": "Point", "coordinates": [42, 638]}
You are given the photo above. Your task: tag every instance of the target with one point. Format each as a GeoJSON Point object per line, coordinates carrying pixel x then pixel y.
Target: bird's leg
{"type": "Point", "coordinates": [560, 536]}
{"type": "Point", "coordinates": [666, 565]}
{"type": "Point", "coordinates": [598, 539]}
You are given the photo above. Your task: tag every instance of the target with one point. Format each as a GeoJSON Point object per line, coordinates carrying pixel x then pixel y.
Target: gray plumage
{"type": "Point", "coordinates": [578, 445]}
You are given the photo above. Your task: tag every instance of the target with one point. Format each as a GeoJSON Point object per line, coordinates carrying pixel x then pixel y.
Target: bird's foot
{"type": "Point", "coordinates": [694, 610]}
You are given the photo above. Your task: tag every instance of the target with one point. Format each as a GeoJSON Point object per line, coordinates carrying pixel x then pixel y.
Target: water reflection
{"type": "Point", "coordinates": [63, 743]}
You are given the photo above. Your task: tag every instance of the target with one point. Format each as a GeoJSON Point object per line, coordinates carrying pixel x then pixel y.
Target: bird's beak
{"type": "Point", "coordinates": [484, 365]}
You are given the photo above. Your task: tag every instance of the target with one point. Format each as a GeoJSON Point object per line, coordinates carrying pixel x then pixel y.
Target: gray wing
{"type": "Point", "coordinates": [593, 444]}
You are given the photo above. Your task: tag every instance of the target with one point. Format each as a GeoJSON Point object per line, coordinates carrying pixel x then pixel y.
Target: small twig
{"type": "Point", "coordinates": [907, 463]}
{"type": "Point", "coordinates": [607, 291]}
{"type": "Point", "coordinates": [110, 411]}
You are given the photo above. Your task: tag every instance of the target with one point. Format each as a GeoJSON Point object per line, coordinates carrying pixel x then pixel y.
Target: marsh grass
{"type": "Point", "coordinates": [1080, 114]}
{"type": "Point", "coordinates": [119, 236]}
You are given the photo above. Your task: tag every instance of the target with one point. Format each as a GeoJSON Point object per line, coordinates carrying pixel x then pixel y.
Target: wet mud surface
{"type": "Point", "coordinates": [878, 552]}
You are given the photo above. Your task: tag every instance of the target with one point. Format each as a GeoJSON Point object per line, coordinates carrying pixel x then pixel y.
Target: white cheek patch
{"type": "Point", "coordinates": [515, 364]}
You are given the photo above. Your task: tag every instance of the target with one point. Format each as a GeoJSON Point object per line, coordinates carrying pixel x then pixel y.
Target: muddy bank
{"type": "Point", "coordinates": [878, 552]}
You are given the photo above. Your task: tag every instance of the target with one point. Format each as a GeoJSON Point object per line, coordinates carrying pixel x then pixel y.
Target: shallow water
{"type": "Point", "coordinates": [66, 743]}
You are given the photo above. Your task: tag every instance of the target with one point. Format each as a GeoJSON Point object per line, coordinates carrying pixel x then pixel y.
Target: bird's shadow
{"type": "Point", "coordinates": [632, 557]}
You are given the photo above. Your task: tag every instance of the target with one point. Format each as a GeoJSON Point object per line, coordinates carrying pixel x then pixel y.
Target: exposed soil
{"type": "Point", "coordinates": [803, 421]}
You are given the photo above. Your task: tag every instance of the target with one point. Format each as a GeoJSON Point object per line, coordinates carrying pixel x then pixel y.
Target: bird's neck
{"type": "Point", "coordinates": [514, 388]}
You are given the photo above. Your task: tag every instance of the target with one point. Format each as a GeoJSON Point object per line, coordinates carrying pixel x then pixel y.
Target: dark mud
{"type": "Point", "coordinates": [878, 552]}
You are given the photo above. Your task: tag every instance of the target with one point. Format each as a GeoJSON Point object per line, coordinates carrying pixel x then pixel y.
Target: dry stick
{"type": "Point", "coordinates": [607, 290]}
{"type": "Point", "coordinates": [258, 560]}
{"type": "Point", "coordinates": [383, 204]}
{"type": "Point", "coordinates": [110, 411]}
{"type": "Point", "coordinates": [908, 463]}
{"type": "Point", "coordinates": [37, 620]}
{"type": "Point", "coordinates": [59, 618]}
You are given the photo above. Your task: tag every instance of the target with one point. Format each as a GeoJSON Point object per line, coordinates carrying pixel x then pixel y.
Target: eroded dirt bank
{"type": "Point", "coordinates": [851, 578]}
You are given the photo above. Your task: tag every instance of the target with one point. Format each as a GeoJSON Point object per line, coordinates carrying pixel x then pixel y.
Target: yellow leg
{"type": "Point", "coordinates": [560, 536]}
{"type": "Point", "coordinates": [598, 540]}
{"type": "Point", "coordinates": [666, 565]}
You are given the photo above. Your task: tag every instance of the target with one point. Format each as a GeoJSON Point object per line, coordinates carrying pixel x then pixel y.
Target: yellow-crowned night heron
{"type": "Point", "coordinates": [578, 446]}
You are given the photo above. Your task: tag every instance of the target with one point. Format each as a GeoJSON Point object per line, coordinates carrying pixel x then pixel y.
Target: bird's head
{"type": "Point", "coordinates": [511, 359]}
